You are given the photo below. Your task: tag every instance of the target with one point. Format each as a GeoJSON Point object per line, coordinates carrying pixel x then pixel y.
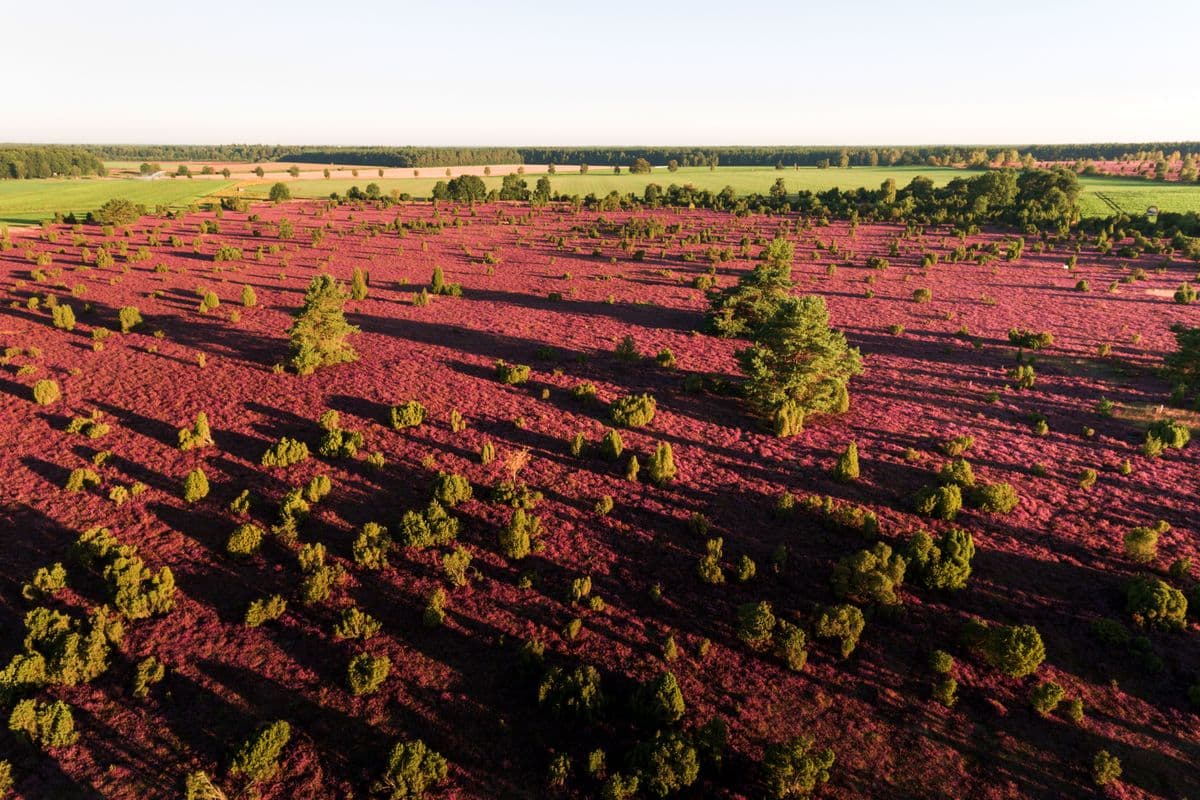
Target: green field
{"type": "Point", "coordinates": [32, 200]}
{"type": "Point", "coordinates": [28, 201]}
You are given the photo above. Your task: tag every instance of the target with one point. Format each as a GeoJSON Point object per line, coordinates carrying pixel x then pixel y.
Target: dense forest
{"type": "Point", "coordinates": [40, 161]}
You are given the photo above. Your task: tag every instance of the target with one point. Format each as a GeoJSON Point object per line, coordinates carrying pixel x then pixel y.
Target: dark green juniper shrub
{"type": "Point", "coordinates": [666, 764]}
{"type": "Point", "coordinates": [1045, 697]}
{"type": "Point", "coordinates": [1141, 543]}
{"type": "Point", "coordinates": [790, 643]}
{"type": "Point", "coordinates": [611, 445]}
{"type": "Point", "coordinates": [1170, 433]}
{"type": "Point", "coordinates": [511, 374]}
{"type": "Point", "coordinates": [755, 624]}
{"type": "Point", "coordinates": [129, 318]}
{"type": "Point", "coordinates": [945, 564]}
{"type": "Point", "coordinates": [195, 486]}
{"type": "Point", "coordinates": [788, 419]}
{"type": "Point", "coordinates": [516, 494]}
{"type": "Point", "coordinates": [319, 577]}
{"type": "Point", "coordinates": [842, 622]}
{"type": "Point", "coordinates": [356, 624]}
{"type": "Point", "coordinates": [134, 589]}
{"type": "Point", "coordinates": [660, 467]}
{"type": "Point", "coordinates": [659, 701]}
{"type": "Point", "coordinates": [435, 609]}
{"type": "Point", "coordinates": [82, 478]}
{"type": "Point", "coordinates": [285, 453]}
{"type": "Point", "coordinates": [576, 694]}
{"type": "Point", "coordinates": [370, 547]}
{"type": "Point", "coordinates": [997, 498]}
{"type": "Point", "coordinates": [939, 502]}
{"type": "Point", "coordinates": [1023, 376]}
{"type": "Point", "coordinates": [245, 540]}
{"type": "Point", "coordinates": [708, 568]}
{"type": "Point", "coordinates": [870, 576]}
{"type": "Point", "coordinates": [407, 415]}
{"type": "Point", "coordinates": [519, 536]}
{"type": "Point", "coordinates": [90, 426]}
{"type": "Point", "coordinates": [46, 392]}
{"type": "Point", "coordinates": [258, 757]}
{"type": "Point", "coordinates": [265, 610]}
{"type": "Point", "coordinates": [47, 581]}
{"type": "Point", "coordinates": [412, 771]}
{"type": "Point", "coordinates": [846, 468]}
{"type": "Point", "coordinates": [366, 673]}
{"type": "Point", "coordinates": [633, 411]}
{"type": "Point", "coordinates": [198, 435]}
{"type": "Point", "coordinates": [1030, 340]}
{"type": "Point", "coordinates": [1015, 650]}
{"type": "Point", "coordinates": [433, 527]}
{"type": "Point", "coordinates": [956, 447]}
{"type": "Point", "coordinates": [792, 769]}
{"type": "Point", "coordinates": [1155, 603]}
{"type": "Point", "coordinates": [1106, 768]}
{"type": "Point", "coordinates": [584, 391]}
{"type": "Point", "coordinates": [451, 489]}
{"type": "Point", "coordinates": [46, 725]}
{"type": "Point", "coordinates": [150, 671]}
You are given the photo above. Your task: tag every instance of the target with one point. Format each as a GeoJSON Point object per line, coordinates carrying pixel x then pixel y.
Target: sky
{"type": "Point", "coordinates": [362, 72]}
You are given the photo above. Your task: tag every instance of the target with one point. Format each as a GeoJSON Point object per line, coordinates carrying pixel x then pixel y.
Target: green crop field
{"type": "Point", "coordinates": [28, 201]}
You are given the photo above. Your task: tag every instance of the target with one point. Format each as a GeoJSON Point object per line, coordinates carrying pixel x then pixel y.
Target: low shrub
{"type": "Point", "coordinates": [792, 769]}
{"type": "Point", "coordinates": [245, 540]}
{"type": "Point", "coordinates": [129, 318]}
{"type": "Point", "coordinates": [1170, 433]}
{"type": "Point", "coordinates": [788, 419]}
{"type": "Point", "coordinates": [45, 725]}
{"type": "Point", "coordinates": [511, 374]}
{"type": "Point", "coordinates": [939, 502]}
{"type": "Point", "coordinates": [433, 527]}
{"type": "Point", "coordinates": [412, 771]}
{"type": "Point", "coordinates": [1141, 543]}
{"type": "Point", "coordinates": [407, 415]}
{"type": "Point", "coordinates": [1045, 697]}
{"type": "Point", "coordinates": [870, 576]}
{"type": "Point", "coordinates": [611, 445]}
{"type": "Point", "coordinates": [660, 467]}
{"type": "Point", "coordinates": [518, 537]}
{"type": "Point", "coordinates": [1155, 603]}
{"type": "Point", "coordinates": [755, 624]}
{"type": "Point", "coordinates": [366, 673]}
{"type": "Point", "coordinates": [1030, 340]}
{"type": "Point", "coordinates": [633, 411]}
{"type": "Point", "coordinates": [46, 392]}
{"type": "Point", "coordinates": [195, 486]}
{"type": "Point", "coordinates": [265, 610]}
{"type": "Point", "coordinates": [945, 564]}
{"type": "Point", "coordinates": [1015, 650]}
{"type": "Point", "coordinates": [258, 757]}
{"type": "Point", "coordinates": [842, 622]}
{"type": "Point", "coordinates": [285, 453]}
{"type": "Point", "coordinates": [1106, 768]}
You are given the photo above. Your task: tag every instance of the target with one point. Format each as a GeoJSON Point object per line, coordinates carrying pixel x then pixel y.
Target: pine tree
{"type": "Point", "coordinates": [798, 357]}
{"type": "Point", "coordinates": [320, 330]}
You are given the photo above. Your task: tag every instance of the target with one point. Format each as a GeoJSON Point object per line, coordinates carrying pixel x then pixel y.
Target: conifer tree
{"type": "Point", "coordinates": [320, 330]}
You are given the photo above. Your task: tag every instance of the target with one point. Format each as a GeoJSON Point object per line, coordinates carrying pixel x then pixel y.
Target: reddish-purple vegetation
{"type": "Point", "coordinates": [558, 291]}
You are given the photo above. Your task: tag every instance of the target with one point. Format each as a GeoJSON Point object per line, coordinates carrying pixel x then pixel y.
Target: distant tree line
{"type": "Point", "coordinates": [35, 161]}
{"type": "Point", "coordinates": [778, 156]}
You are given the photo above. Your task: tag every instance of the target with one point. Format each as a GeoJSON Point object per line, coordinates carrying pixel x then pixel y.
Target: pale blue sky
{"type": "Point", "coordinates": [618, 72]}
